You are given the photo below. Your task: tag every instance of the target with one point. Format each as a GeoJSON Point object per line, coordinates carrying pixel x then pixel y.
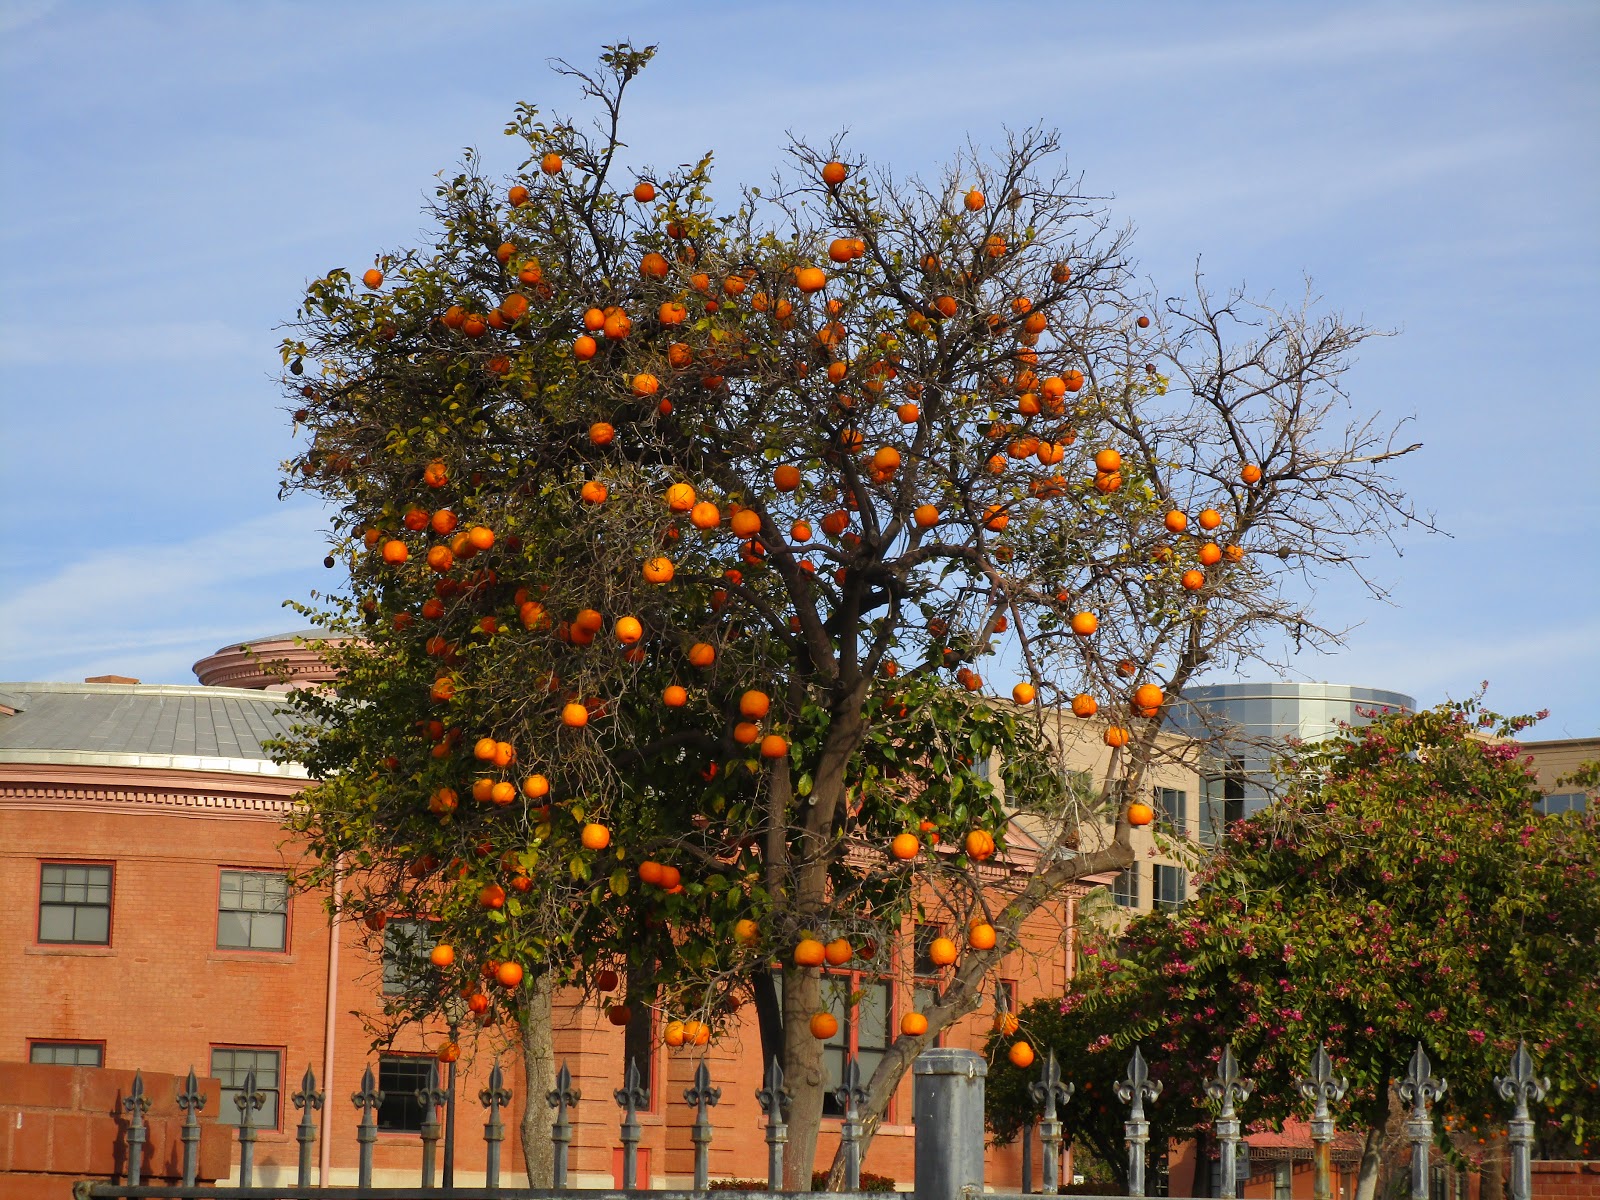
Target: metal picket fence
{"type": "Point", "coordinates": [949, 1119]}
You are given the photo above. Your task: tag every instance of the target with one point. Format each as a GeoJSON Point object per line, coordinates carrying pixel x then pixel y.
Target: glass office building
{"type": "Point", "coordinates": [1253, 722]}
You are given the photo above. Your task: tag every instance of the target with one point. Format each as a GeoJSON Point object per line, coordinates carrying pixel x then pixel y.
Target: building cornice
{"type": "Point", "coordinates": [99, 787]}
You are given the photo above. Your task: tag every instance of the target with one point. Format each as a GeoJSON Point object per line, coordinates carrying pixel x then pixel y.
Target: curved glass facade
{"type": "Point", "coordinates": [1252, 722]}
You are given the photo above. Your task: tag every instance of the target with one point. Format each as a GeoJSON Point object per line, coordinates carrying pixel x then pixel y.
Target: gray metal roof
{"type": "Point", "coordinates": [185, 728]}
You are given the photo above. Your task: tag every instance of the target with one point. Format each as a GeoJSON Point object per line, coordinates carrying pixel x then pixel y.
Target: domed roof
{"type": "Point", "coordinates": [277, 662]}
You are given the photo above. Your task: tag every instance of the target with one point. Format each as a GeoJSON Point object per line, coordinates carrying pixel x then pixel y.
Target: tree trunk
{"type": "Point", "coordinates": [802, 1076]}
{"type": "Point", "coordinates": [538, 1079]}
{"type": "Point", "coordinates": [769, 1017]}
{"type": "Point", "coordinates": [1203, 1148]}
{"type": "Point", "coordinates": [1371, 1163]}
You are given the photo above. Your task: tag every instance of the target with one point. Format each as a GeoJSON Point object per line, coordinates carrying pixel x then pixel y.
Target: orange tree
{"type": "Point", "coordinates": [678, 535]}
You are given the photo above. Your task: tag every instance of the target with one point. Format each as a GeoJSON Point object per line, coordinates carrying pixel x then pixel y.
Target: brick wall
{"type": "Point", "coordinates": [1557, 1180]}
{"type": "Point", "coordinates": [62, 1124]}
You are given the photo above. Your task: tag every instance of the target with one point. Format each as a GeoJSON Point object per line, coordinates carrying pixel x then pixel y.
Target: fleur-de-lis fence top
{"type": "Point", "coordinates": [1520, 1086]}
{"type": "Point", "coordinates": [851, 1095]}
{"type": "Point", "coordinates": [564, 1096]}
{"type": "Point", "coordinates": [1138, 1086]}
{"type": "Point", "coordinates": [1048, 1089]}
{"type": "Point", "coordinates": [191, 1099]}
{"type": "Point", "coordinates": [631, 1097]}
{"type": "Point", "coordinates": [368, 1098]}
{"type": "Point", "coordinates": [250, 1100]}
{"type": "Point", "coordinates": [136, 1103]}
{"type": "Point", "coordinates": [497, 1095]}
{"type": "Point", "coordinates": [774, 1098]}
{"type": "Point", "coordinates": [1229, 1088]}
{"type": "Point", "coordinates": [1322, 1087]}
{"type": "Point", "coordinates": [702, 1095]}
{"type": "Point", "coordinates": [307, 1098]}
{"type": "Point", "coordinates": [1421, 1087]}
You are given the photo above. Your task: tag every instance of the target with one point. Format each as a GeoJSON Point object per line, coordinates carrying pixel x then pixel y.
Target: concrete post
{"type": "Point", "coordinates": [948, 1107]}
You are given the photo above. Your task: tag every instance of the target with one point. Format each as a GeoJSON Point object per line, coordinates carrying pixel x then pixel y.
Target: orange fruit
{"type": "Point", "coordinates": [809, 952]}
{"type": "Point", "coordinates": [1021, 1055]}
{"type": "Point", "coordinates": [746, 932]}
{"type": "Point", "coordinates": [584, 348]}
{"type": "Point", "coordinates": [1140, 814]}
{"type": "Point", "coordinates": [1210, 554]}
{"type": "Point", "coordinates": [1148, 695]}
{"type": "Point", "coordinates": [905, 846]}
{"type": "Point", "coordinates": [492, 896]}
{"type": "Point", "coordinates": [1210, 518]}
{"type": "Point", "coordinates": [1233, 553]}
{"type": "Point", "coordinates": [1108, 462]}
{"type": "Point", "coordinates": [653, 266]}
{"type": "Point", "coordinates": [680, 497]}
{"type": "Point", "coordinates": [838, 952]}
{"type": "Point", "coordinates": [746, 522]}
{"type": "Point", "coordinates": [974, 200]}
{"type": "Point", "coordinates": [981, 936]}
{"type": "Point", "coordinates": [1005, 1023]}
{"type": "Point", "coordinates": [650, 872]}
{"type": "Point", "coordinates": [833, 174]}
{"type": "Point", "coordinates": [673, 1033]}
{"type": "Point", "coordinates": [1084, 705]}
{"type": "Point", "coordinates": [595, 492]}
{"type": "Point", "coordinates": [373, 278]}
{"type": "Point", "coordinates": [675, 696]}
{"type": "Point", "coordinates": [1116, 736]}
{"type": "Point", "coordinates": [926, 516]}
{"type": "Point", "coordinates": [980, 845]}
{"type": "Point", "coordinates": [503, 793]}
{"type": "Point", "coordinates": [810, 279]}
{"type": "Point", "coordinates": [602, 433]}
{"type": "Point", "coordinates": [746, 732]}
{"type": "Point", "coordinates": [1250, 473]}
{"type": "Point", "coordinates": [786, 477]}
{"type": "Point", "coordinates": [941, 952]}
{"type": "Point", "coordinates": [774, 746]}
{"type": "Point", "coordinates": [535, 786]}
{"type": "Point", "coordinates": [1074, 381]}
{"type": "Point", "coordinates": [1024, 693]}
{"type": "Point", "coordinates": [1176, 521]}
{"type": "Point", "coordinates": [755, 704]}
{"type": "Point", "coordinates": [909, 414]}
{"type": "Point", "coordinates": [800, 531]}
{"type": "Point", "coordinates": [1084, 623]}
{"type": "Point", "coordinates": [1193, 580]}
{"type": "Point", "coordinates": [395, 552]}
{"type": "Point", "coordinates": [823, 1026]}
{"type": "Point", "coordinates": [659, 570]}
{"type": "Point", "coordinates": [1143, 322]}
{"type": "Point", "coordinates": [595, 836]}
{"type": "Point", "coordinates": [705, 515]}
{"type": "Point", "coordinates": [702, 654]}
{"type": "Point", "coordinates": [442, 956]}
{"type": "Point", "coordinates": [913, 1024]}
{"type": "Point", "coordinates": [550, 164]}
{"type": "Point", "coordinates": [518, 196]}
{"type": "Point", "coordinates": [628, 630]}
{"type": "Point", "coordinates": [574, 716]}
{"type": "Point", "coordinates": [617, 326]}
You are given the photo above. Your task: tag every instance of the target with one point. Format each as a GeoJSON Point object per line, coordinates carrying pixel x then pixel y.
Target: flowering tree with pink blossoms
{"type": "Point", "coordinates": [1405, 889]}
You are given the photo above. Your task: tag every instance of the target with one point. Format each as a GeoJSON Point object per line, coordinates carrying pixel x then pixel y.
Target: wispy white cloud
{"type": "Point", "coordinates": [162, 606]}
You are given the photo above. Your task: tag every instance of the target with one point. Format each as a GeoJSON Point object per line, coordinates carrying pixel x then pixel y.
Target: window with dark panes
{"type": "Point", "coordinates": [1221, 801]}
{"type": "Point", "coordinates": [67, 1054]}
{"type": "Point", "coordinates": [406, 945]}
{"type": "Point", "coordinates": [1171, 887]}
{"type": "Point", "coordinates": [1125, 888]}
{"type": "Point", "coordinates": [922, 942]}
{"type": "Point", "coordinates": [400, 1078]}
{"type": "Point", "coordinates": [861, 1005]}
{"type": "Point", "coordinates": [1173, 805]}
{"type": "Point", "coordinates": [253, 911]}
{"type": "Point", "coordinates": [75, 904]}
{"type": "Point", "coordinates": [231, 1066]}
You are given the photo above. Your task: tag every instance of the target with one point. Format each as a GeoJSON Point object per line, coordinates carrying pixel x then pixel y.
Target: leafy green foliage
{"type": "Point", "coordinates": [1403, 890]}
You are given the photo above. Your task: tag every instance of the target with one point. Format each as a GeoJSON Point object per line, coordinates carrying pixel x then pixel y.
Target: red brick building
{"type": "Point", "coordinates": [148, 925]}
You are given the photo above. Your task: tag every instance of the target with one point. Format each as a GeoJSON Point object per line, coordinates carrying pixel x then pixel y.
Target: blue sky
{"type": "Point", "coordinates": [171, 174]}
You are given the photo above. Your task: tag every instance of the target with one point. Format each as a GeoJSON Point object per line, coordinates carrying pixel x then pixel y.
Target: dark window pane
{"type": "Point", "coordinates": [252, 909]}
{"type": "Point", "coordinates": [405, 955]}
{"type": "Point", "coordinates": [65, 1054]}
{"type": "Point", "coordinates": [400, 1077]}
{"type": "Point", "coordinates": [74, 903]}
{"type": "Point", "coordinates": [230, 1067]}
{"type": "Point", "coordinates": [1125, 891]}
